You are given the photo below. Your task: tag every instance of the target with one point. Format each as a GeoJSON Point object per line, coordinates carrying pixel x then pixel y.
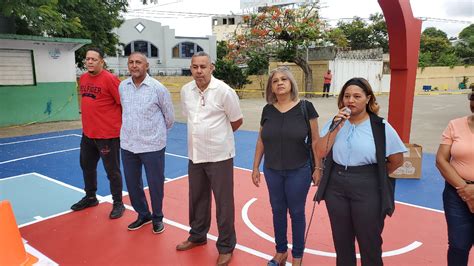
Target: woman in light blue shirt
{"type": "Point", "coordinates": [361, 149]}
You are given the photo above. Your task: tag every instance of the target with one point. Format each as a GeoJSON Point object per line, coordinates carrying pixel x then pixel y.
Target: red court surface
{"type": "Point", "coordinates": [413, 236]}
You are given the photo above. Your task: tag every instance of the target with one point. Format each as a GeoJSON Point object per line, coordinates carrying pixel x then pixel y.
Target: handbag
{"type": "Point", "coordinates": [309, 141]}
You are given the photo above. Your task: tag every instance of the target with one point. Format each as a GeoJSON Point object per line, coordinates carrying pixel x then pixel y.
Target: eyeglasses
{"type": "Point", "coordinates": [203, 102]}
{"type": "Point", "coordinates": [470, 96]}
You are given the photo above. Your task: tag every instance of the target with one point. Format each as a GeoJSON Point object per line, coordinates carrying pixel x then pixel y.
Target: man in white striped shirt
{"type": "Point", "coordinates": [146, 117]}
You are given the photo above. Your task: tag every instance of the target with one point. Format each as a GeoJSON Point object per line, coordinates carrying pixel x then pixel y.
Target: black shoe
{"type": "Point", "coordinates": [117, 210]}
{"type": "Point", "coordinates": [85, 202]}
{"type": "Point", "coordinates": [139, 223]}
{"type": "Point", "coordinates": [158, 227]}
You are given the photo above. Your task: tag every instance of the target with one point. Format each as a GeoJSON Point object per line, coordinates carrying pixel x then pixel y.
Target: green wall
{"type": "Point", "coordinates": [45, 102]}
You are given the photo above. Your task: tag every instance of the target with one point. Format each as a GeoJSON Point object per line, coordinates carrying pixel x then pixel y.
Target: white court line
{"type": "Point", "coordinates": [420, 207]}
{"type": "Point", "coordinates": [400, 202]}
{"type": "Point", "coordinates": [42, 259]}
{"type": "Point", "coordinates": [170, 222]}
{"type": "Point", "coordinates": [38, 139]}
{"type": "Point", "coordinates": [37, 155]}
{"type": "Point", "coordinates": [185, 157]}
{"type": "Point", "coordinates": [15, 176]}
{"type": "Point", "coordinates": [245, 217]}
{"type": "Point", "coordinates": [67, 150]}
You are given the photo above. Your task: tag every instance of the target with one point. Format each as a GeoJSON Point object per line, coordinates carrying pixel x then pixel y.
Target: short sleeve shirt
{"type": "Point", "coordinates": [209, 113]}
{"type": "Point", "coordinates": [284, 136]}
{"type": "Point", "coordinates": [100, 105]}
{"type": "Point", "coordinates": [354, 144]}
{"type": "Point", "coordinates": [460, 137]}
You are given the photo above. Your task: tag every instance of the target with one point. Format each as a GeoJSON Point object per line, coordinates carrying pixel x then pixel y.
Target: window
{"type": "Point", "coordinates": [144, 47]}
{"type": "Point", "coordinates": [16, 67]}
{"type": "Point", "coordinates": [224, 21]}
{"type": "Point", "coordinates": [186, 50]}
{"type": "Point", "coordinates": [231, 21]}
{"type": "Point", "coordinates": [214, 22]}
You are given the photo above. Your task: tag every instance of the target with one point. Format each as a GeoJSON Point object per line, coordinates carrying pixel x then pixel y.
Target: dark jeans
{"type": "Point", "coordinates": [288, 190]}
{"type": "Point", "coordinates": [154, 163]}
{"type": "Point", "coordinates": [108, 150]}
{"type": "Point", "coordinates": [353, 203]}
{"type": "Point", "coordinates": [326, 90]}
{"type": "Point", "coordinates": [460, 226]}
{"type": "Point", "coordinates": [204, 179]}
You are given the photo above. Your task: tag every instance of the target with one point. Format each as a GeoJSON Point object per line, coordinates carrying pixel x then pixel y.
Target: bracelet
{"type": "Point", "coordinates": [319, 168]}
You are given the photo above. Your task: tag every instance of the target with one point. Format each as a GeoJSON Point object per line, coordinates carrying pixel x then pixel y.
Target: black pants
{"type": "Point", "coordinates": [204, 179]}
{"type": "Point", "coordinates": [109, 151]}
{"type": "Point", "coordinates": [353, 202]}
{"type": "Point", "coordinates": [326, 90]}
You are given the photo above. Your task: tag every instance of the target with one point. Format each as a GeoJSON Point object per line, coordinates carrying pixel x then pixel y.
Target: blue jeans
{"type": "Point", "coordinates": [460, 226]}
{"type": "Point", "coordinates": [288, 190]}
{"type": "Point", "coordinates": [154, 163]}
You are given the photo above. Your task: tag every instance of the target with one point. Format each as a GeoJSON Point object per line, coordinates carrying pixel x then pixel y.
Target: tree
{"type": "Point", "coordinates": [435, 46]}
{"type": "Point", "coordinates": [464, 49]}
{"type": "Point", "coordinates": [379, 31]}
{"type": "Point", "coordinates": [361, 35]}
{"type": "Point", "coordinates": [88, 19]}
{"type": "Point", "coordinates": [357, 33]}
{"type": "Point", "coordinates": [228, 71]}
{"type": "Point", "coordinates": [279, 32]}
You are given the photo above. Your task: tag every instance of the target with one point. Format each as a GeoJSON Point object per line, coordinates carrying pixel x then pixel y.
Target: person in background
{"type": "Point", "coordinates": [361, 151]}
{"type": "Point", "coordinates": [327, 83]}
{"type": "Point", "coordinates": [147, 116]}
{"type": "Point", "coordinates": [101, 120]}
{"type": "Point", "coordinates": [455, 161]}
{"type": "Point", "coordinates": [283, 131]}
{"type": "Point", "coordinates": [213, 114]}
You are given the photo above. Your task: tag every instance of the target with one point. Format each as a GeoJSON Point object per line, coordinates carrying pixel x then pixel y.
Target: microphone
{"type": "Point", "coordinates": [336, 123]}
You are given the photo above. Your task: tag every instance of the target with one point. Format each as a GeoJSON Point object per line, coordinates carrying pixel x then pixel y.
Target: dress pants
{"type": "Point", "coordinates": [353, 203]}
{"type": "Point", "coordinates": [109, 151]}
{"type": "Point", "coordinates": [216, 178]}
{"type": "Point", "coordinates": [154, 163]}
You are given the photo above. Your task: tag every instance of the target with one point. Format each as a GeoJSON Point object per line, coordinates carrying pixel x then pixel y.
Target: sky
{"type": "Point", "coordinates": [450, 16]}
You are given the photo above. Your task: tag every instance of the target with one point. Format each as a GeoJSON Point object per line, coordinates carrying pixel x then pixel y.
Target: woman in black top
{"type": "Point", "coordinates": [287, 169]}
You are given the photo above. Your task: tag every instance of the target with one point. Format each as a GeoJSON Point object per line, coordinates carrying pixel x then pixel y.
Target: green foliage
{"type": "Point", "coordinates": [379, 31]}
{"type": "Point", "coordinates": [257, 63]}
{"type": "Point", "coordinates": [464, 49]}
{"type": "Point", "coordinates": [337, 37]}
{"type": "Point", "coordinates": [228, 71]}
{"type": "Point", "coordinates": [436, 50]}
{"type": "Point", "coordinates": [282, 33]}
{"type": "Point", "coordinates": [222, 49]}
{"type": "Point", "coordinates": [358, 34]}
{"type": "Point", "coordinates": [87, 19]}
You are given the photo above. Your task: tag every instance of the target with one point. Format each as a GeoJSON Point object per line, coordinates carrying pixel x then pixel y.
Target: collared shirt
{"type": "Point", "coordinates": [209, 113]}
{"type": "Point", "coordinates": [354, 144]}
{"type": "Point", "coordinates": [147, 115]}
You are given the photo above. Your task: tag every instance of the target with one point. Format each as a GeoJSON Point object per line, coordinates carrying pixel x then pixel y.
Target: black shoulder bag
{"type": "Point", "coordinates": [309, 141]}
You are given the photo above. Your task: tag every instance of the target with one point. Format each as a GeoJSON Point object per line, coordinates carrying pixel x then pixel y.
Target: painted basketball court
{"type": "Point", "coordinates": [41, 177]}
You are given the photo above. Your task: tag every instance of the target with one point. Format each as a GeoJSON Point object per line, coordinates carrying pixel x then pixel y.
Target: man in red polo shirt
{"type": "Point", "coordinates": [101, 121]}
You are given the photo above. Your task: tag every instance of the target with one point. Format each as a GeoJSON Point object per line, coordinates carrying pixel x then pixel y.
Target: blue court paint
{"type": "Point", "coordinates": [32, 195]}
{"type": "Point", "coordinates": [426, 191]}
{"type": "Point", "coordinates": [65, 167]}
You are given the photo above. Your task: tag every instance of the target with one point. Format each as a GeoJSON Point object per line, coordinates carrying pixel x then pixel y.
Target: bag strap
{"type": "Point", "coordinates": [304, 109]}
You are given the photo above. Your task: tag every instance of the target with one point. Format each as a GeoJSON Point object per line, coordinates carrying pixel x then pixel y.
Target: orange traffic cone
{"type": "Point", "coordinates": [12, 251]}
